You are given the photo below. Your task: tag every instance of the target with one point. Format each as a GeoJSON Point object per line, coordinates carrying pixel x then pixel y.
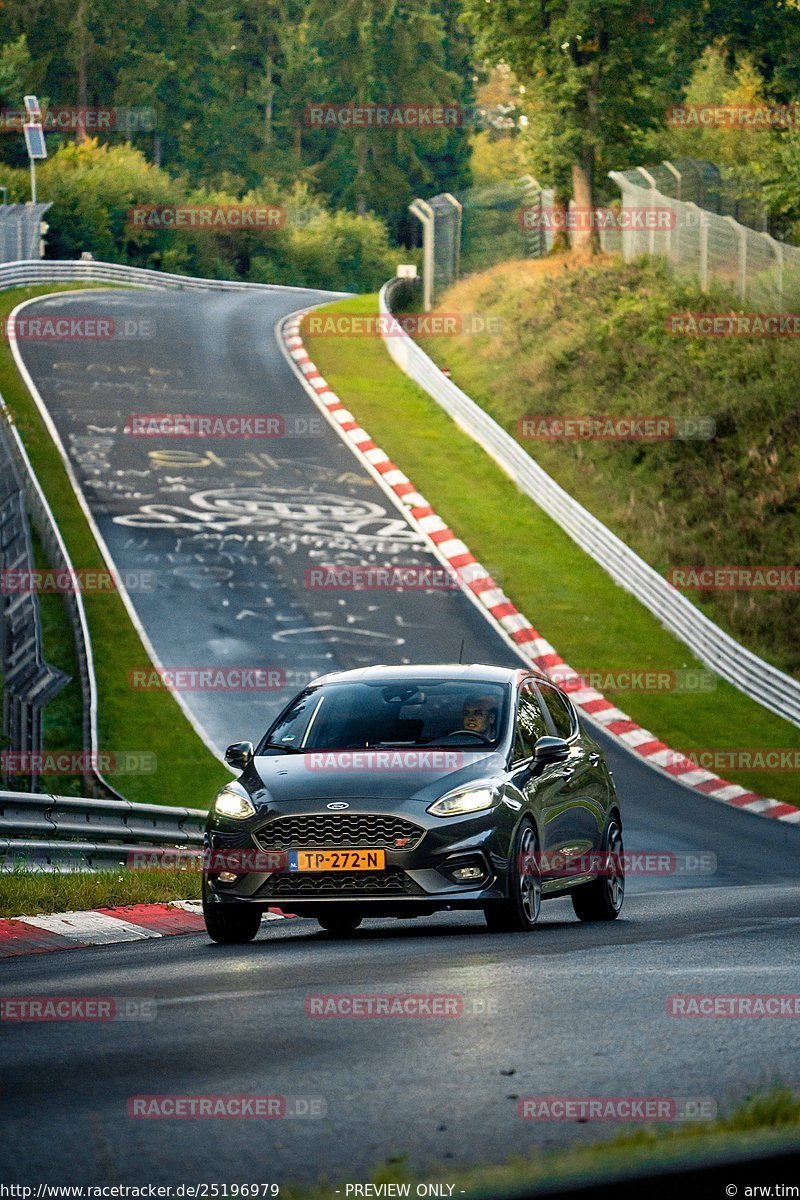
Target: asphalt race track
{"type": "Point", "coordinates": [230, 529]}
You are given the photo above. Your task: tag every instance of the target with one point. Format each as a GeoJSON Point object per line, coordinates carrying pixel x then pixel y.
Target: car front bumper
{"type": "Point", "coordinates": [415, 880]}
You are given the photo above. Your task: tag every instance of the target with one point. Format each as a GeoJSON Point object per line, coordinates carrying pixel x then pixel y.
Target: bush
{"type": "Point", "coordinates": [93, 187]}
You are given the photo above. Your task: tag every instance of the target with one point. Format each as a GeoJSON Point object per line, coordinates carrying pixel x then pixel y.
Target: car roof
{"type": "Point", "coordinates": [457, 672]}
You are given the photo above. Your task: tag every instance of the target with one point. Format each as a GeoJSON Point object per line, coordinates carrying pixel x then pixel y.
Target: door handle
{"type": "Point", "coordinates": [594, 760]}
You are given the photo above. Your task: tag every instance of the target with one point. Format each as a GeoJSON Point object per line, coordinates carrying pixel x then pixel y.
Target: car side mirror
{"type": "Point", "coordinates": [550, 749]}
{"type": "Point", "coordinates": [238, 755]}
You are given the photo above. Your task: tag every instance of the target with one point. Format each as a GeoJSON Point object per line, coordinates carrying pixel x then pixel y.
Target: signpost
{"type": "Point", "coordinates": [34, 138]}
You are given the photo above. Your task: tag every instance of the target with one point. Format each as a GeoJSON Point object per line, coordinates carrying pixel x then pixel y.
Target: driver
{"type": "Point", "coordinates": [479, 715]}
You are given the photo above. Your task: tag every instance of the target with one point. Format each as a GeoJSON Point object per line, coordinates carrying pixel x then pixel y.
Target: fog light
{"type": "Point", "coordinates": [226, 877]}
{"type": "Point", "coordinates": [465, 874]}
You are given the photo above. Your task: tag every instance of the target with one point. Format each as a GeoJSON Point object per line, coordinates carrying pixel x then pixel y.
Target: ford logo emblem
{"type": "Point", "coordinates": [338, 805]}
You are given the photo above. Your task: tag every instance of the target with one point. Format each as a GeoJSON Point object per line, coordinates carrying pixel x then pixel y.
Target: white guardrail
{"type": "Point", "coordinates": [759, 680]}
{"type": "Point", "coordinates": [18, 274]}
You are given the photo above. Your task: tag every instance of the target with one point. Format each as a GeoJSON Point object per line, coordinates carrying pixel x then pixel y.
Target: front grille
{"type": "Point", "coordinates": [353, 830]}
{"type": "Point", "coordinates": [392, 882]}
{"type": "Point", "coordinates": [230, 841]}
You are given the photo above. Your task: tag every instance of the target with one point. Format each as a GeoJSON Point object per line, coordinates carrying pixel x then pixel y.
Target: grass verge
{"type": "Point", "coordinates": [599, 339]}
{"type": "Point", "coordinates": [765, 1122]}
{"type": "Point", "coordinates": [186, 772]}
{"type": "Point", "coordinates": [594, 625]}
{"type": "Point", "coordinates": [25, 893]}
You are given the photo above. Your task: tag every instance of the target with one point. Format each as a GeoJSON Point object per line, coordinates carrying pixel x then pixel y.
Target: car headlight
{"type": "Point", "coordinates": [234, 801]}
{"type": "Point", "coordinates": [464, 800]}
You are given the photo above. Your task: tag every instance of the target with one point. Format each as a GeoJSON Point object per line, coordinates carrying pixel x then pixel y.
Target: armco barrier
{"type": "Point", "coordinates": [50, 831]}
{"type": "Point", "coordinates": [33, 271]}
{"type": "Point", "coordinates": [759, 680]}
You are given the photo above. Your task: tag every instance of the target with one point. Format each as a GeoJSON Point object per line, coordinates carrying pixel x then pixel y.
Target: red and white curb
{"type": "Point", "coordinates": [102, 926]}
{"type": "Point", "coordinates": [499, 610]}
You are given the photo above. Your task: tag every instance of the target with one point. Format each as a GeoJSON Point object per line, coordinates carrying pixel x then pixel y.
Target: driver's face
{"type": "Point", "coordinates": [477, 716]}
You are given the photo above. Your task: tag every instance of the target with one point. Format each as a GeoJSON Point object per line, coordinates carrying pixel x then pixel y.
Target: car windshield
{"type": "Point", "coordinates": [416, 712]}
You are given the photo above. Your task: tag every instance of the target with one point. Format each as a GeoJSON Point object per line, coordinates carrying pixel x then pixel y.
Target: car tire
{"type": "Point", "coordinates": [230, 924]}
{"type": "Point", "coordinates": [520, 912]}
{"type": "Point", "coordinates": [340, 924]}
{"type": "Point", "coordinates": [601, 900]}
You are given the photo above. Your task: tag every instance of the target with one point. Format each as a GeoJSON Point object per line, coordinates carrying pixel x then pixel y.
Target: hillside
{"type": "Point", "coordinates": [579, 341]}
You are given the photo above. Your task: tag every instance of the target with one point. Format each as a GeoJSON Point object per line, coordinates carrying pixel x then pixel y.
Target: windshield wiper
{"type": "Point", "coordinates": [281, 746]}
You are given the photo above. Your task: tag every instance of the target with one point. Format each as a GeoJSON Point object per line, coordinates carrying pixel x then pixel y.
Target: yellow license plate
{"type": "Point", "coordinates": [337, 860]}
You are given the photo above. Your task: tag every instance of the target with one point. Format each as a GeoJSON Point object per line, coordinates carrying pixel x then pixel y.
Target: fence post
{"type": "Point", "coordinates": [678, 177]}
{"type": "Point", "coordinates": [778, 248]}
{"type": "Point", "coordinates": [703, 250]}
{"type": "Point", "coordinates": [535, 240]}
{"type": "Point", "coordinates": [741, 235]}
{"type": "Point", "coordinates": [457, 235]}
{"type": "Point", "coordinates": [651, 241]}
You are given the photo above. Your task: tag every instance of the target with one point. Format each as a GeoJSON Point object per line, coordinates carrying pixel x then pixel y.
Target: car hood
{"type": "Point", "coordinates": [365, 774]}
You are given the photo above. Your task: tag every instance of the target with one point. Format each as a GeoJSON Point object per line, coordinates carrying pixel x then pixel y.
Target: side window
{"type": "Point", "coordinates": [530, 725]}
{"type": "Point", "coordinates": [557, 707]}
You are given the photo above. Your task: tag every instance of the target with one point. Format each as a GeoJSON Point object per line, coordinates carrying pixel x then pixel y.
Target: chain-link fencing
{"type": "Point", "coordinates": [703, 245]}
{"type": "Point", "coordinates": [480, 227]}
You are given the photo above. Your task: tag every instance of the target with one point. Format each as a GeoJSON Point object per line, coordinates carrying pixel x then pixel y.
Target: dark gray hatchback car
{"type": "Point", "coordinates": [402, 791]}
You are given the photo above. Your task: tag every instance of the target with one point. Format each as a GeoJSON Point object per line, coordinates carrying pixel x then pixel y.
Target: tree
{"type": "Point", "coordinates": [598, 72]}
{"type": "Point", "coordinates": [384, 54]}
